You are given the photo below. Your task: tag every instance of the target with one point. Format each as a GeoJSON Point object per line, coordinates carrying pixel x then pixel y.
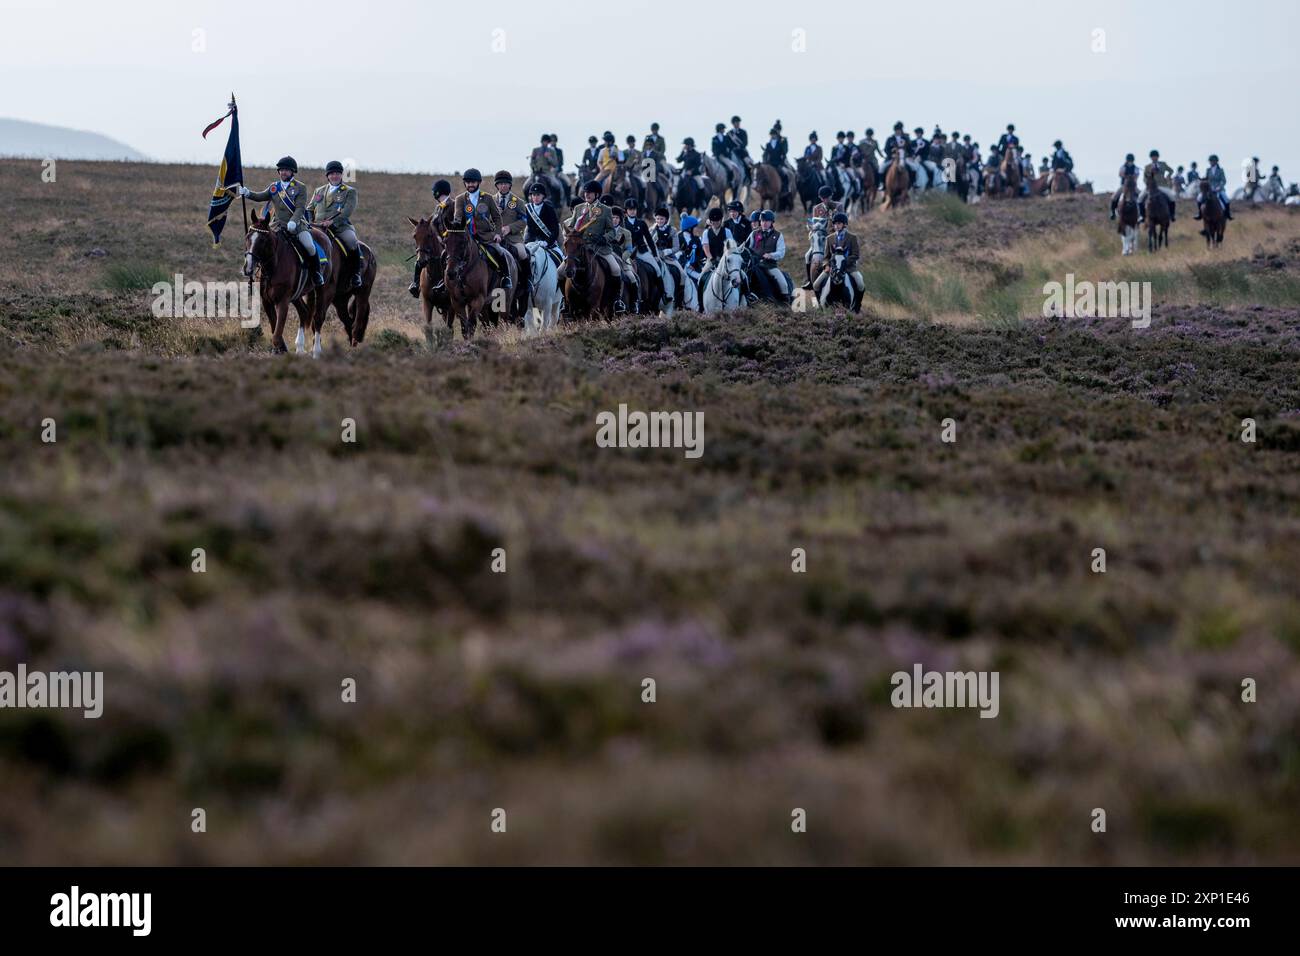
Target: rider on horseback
{"type": "Point", "coordinates": [332, 206]}
{"type": "Point", "coordinates": [775, 154]}
{"type": "Point", "coordinates": [691, 250]}
{"type": "Point", "coordinates": [643, 243]}
{"type": "Point", "coordinates": [545, 165]}
{"type": "Point", "coordinates": [543, 224]}
{"type": "Point", "coordinates": [1009, 138]}
{"type": "Point", "coordinates": [288, 198]}
{"type": "Point", "coordinates": [481, 218]}
{"type": "Point", "coordinates": [660, 147]}
{"type": "Point", "coordinates": [1062, 160]}
{"type": "Point", "coordinates": [921, 149]}
{"type": "Point", "coordinates": [592, 221]}
{"type": "Point", "coordinates": [1159, 174]}
{"type": "Point", "coordinates": [898, 140]}
{"type": "Point", "coordinates": [768, 246]}
{"type": "Point", "coordinates": [692, 161]}
{"type": "Point", "coordinates": [668, 244]}
{"type": "Point", "coordinates": [621, 241]}
{"type": "Point", "coordinates": [740, 148]}
{"type": "Point", "coordinates": [609, 160]}
{"type": "Point", "coordinates": [1219, 183]}
{"type": "Point", "coordinates": [513, 222]}
{"type": "Point", "coordinates": [721, 147]}
{"type": "Point", "coordinates": [871, 152]}
{"type": "Point", "coordinates": [737, 224]}
{"type": "Point", "coordinates": [1129, 168]}
{"type": "Point", "coordinates": [812, 153]}
{"type": "Point", "coordinates": [437, 219]}
{"type": "Point", "coordinates": [843, 242]}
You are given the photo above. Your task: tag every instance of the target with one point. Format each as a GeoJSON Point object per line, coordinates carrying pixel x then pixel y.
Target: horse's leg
{"type": "Point", "coordinates": [300, 344]}
{"type": "Point", "coordinates": [277, 329]}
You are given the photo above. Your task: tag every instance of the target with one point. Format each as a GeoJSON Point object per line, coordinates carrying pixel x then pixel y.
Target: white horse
{"type": "Point", "coordinates": [722, 291]}
{"type": "Point", "coordinates": [544, 293]}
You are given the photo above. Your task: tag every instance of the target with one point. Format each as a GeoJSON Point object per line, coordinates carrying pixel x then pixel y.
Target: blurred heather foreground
{"type": "Point", "coordinates": [329, 562]}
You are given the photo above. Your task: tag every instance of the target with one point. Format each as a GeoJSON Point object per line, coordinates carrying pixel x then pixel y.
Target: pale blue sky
{"type": "Point", "coordinates": [433, 86]}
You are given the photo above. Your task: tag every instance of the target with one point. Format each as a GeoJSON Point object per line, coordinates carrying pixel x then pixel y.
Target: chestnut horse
{"type": "Point", "coordinates": [1212, 215]}
{"type": "Point", "coordinates": [473, 287]}
{"type": "Point", "coordinates": [284, 281]}
{"type": "Point", "coordinates": [1060, 182]}
{"type": "Point", "coordinates": [429, 252]}
{"type": "Point", "coordinates": [897, 181]}
{"type": "Point", "coordinates": [1010, 172]}
{"type": "Point", "coordinates": [587, 289]}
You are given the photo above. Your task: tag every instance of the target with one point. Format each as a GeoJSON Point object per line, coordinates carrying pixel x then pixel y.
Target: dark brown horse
{"type": "Point", "coordinates": [285, 281]}
{"type": "Point", "coordinates": [474, 289]}
{"type": "Point", "coordinates": [1059, 183]}
{"type": "Point", "coordinates": [353, 305]}
{"type": "Point", "coordinates": [429, 254]}
{"type": "Point", "coordinates": [1157, 214]}
{"type": "Point", "coordinates": [897, 181]}
{"type": "Point", "coordinates": [1009, 170]}
{"type": "Point", "coordinates": [588, 290]}
{"type": "Point", "coordinates": [1212, 215]}
{"type": "Point", "coordinates": [869, 186]}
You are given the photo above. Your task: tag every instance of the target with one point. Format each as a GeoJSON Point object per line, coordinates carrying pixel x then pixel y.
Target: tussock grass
{"type": "Point", "coordinates": [134, 276]}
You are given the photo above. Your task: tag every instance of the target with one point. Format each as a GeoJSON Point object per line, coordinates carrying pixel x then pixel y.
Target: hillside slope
{"type": "Point", "coordinates": [475, 690]}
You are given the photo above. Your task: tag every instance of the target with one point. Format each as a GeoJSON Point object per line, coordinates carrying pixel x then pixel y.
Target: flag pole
{"type": "Point", "coordinates": [243, 202]}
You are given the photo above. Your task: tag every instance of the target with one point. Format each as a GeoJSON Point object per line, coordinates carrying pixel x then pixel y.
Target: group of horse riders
{"type": "Point", "coordinates": [1158, 175]}
{"type": "Point", "coordinates": [294, 210]}
{"type": "Point", "coordinates": [617, 236]}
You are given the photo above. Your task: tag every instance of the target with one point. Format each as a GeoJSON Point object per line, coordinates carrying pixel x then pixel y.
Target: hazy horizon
{"type": "Point", "coordinates": [417, 89]}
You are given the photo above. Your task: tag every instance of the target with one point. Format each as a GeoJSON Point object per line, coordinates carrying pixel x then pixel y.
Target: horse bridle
{"type": "Point", "coordinates": [256, 260]}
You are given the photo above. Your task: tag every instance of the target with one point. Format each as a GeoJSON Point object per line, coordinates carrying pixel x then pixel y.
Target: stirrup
{"type": "Point", "coordinates": [414, 289]}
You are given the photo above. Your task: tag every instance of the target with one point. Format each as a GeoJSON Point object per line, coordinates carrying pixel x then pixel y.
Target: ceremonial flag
{"type": "Point", "coordinates": [231, 173]}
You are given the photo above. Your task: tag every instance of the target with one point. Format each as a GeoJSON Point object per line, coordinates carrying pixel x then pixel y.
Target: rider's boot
{"type": "Point", "coordinates": [1227, 210]}
{"type": "Point", "coordinates": [1113, 203]}
{"type": "Point", "coordinates": [358, 265]}
{"type": "Point", "coordinates": [317, 275]}
{"type": "Point", "coordinates": [414, 287]}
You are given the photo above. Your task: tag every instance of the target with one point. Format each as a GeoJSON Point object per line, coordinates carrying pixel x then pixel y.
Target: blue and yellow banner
{"type": "Point", "coordinates": [231, 173]}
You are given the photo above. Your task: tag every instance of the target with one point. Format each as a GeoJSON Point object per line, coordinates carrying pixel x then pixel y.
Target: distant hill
{"type": "Point", "coordinates": [39, 141]}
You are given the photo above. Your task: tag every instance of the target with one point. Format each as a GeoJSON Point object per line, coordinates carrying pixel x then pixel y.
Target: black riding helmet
{"type": "Point", "coordinates": [689, 141]}
{"type": "Point", "coordinates": [719, 128]}
{"type": "Point", "coordinates": [333, 166]}
{"type": "Point", "coordinates": [898, 126]}
{"type": "Point", "coordinates": [287, 162]}
{"type": "Point", "coordinates": [591, 186]}
{"type": "Point", "coordinates": [537, 188]}
{"type": "Point", "coordinates": [607, 136]}
{"type": "Point", "coordinates": [767, 216]}
{"type": "Point", "coordinates": [839, 217]}
{"type": "Point", "coordinates": [736, 205]}
{"type": "Point", "coordinates": [1129, 158]}
{"type": "Point", "coordinates": [471, 175]}
{"type": "Point", "coordinates": [441, 188]}
{"type": "Point", "coordinates": [825, 192]}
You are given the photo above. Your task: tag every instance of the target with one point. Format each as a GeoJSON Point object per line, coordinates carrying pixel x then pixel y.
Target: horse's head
{"type": "Point", "coordinates": [427, 243]}
{"type": "Point", "coordinates": [572, 244]}
{"type": "Point", "coordinates": [258, 243]}
{"type": "Point", "coordinates": [461, 250]}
